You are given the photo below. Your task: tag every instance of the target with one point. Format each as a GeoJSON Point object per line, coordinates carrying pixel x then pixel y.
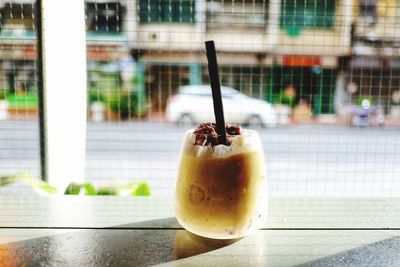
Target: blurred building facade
{"type": "Point", "coordinates": [18, 46]}
{"type": "Point", "coordinates": [263, 46]}
{"type": "Point", "coordinates": [373, 72]}
{"type": "Point", "coordinates": [151, 47]}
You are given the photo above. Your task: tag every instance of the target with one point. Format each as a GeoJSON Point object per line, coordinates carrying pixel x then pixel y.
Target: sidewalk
{"type": "Point", "coordinates": [324, 119]}
{"type": "Point", "coordinates": [332, 119]}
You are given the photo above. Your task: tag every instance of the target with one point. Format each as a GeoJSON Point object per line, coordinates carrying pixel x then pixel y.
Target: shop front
{"type": "Point", "coordinates": [305, 80]}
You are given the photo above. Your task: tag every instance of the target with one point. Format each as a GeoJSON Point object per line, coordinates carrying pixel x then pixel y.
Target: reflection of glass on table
{"type": "Point", "coordinates": [187, 244]}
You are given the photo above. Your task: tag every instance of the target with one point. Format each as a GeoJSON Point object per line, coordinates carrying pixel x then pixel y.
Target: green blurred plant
{"type": "Point", "coordinates": [114, 188]}
{"type": "Point", "coordinates": [121, 103]}
{"type": "Point", "coordinates": [95, 95]}
{"type": "Point", "coordinates": [37, 185]}
{"type": "Point", "coordinates": [125, 104]}
{"type": "Point", "coordinates": [76, 189]}
{"type": "Point", "coordinates": [23, 100]}
{"type": "Point", "coordinates": [3, 94]}
{"type": "Point", "coordinates": [283, 99]}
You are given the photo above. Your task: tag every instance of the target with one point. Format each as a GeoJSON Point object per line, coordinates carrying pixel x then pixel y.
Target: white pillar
{"type": "Point", "coordinates": [347, 21]}
{"type": "Point", "coordinates": [64, 66]}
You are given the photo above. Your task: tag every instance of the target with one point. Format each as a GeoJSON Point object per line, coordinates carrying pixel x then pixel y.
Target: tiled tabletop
{"type": "Point", "coordinates": [126, 231]}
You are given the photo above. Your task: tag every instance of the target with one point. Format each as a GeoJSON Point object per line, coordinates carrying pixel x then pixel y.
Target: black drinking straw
{"type": "Point", "coordinates": [216, 92]}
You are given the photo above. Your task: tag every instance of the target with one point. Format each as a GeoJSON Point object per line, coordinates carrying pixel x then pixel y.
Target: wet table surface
{"type": "Point", "coordinates": [126, 231]}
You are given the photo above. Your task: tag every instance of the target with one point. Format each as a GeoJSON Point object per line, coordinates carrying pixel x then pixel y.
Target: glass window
{"type": "Point", "coordinates": [236, 15]}
{"type": "Point", "coordinates": [368, 9]}
{"type": "Point", "coordinates": [17, 16]}
{"type": "Point", "coordinates": [133, 77]}
{"type": "Point", "coordinates": [182, 11]}
{"type": "Point", "coordinates": [104, 17]}
{"type": "Point", "coordinates": [308, 13]}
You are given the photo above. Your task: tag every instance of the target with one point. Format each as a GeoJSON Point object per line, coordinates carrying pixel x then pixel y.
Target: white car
{"type": "Point", "coordinates": [194, 104]}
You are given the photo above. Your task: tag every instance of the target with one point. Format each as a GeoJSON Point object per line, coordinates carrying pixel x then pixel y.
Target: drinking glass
{"type": "Point", "coordinates": [221, 190]}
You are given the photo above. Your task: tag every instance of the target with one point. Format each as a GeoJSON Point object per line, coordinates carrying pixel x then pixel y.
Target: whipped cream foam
{"type": "Point", "coordinates": [242, 143]}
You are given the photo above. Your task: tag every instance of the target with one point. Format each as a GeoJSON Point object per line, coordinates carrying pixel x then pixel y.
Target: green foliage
{"type": "Point", "coordinates": [39, 186]}
{"type": "Point", "coordinates": [124, 103]}
{"type": "Point", "coordinates": [75, 189]}
{"type": "Point", "coordinates": [23, 100]}
{"type": "Point", "coordinates": [125, 189]}
{"type": "Point", "coordinates": [3, 94]}
{"type": "Point", "coordinates": [87, 189]}
{"type": "Point", "coordinates": [143, 189]}
{"type": "Point", "coordinates": [95, 95]}
{"type": "Point", "coordinates": [113, 189]}
{"type": "Point", "coordinates": [284, 100]}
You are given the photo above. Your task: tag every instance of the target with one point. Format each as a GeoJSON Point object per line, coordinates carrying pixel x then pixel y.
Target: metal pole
{"type": "Point", "coordinates": [40, 86]}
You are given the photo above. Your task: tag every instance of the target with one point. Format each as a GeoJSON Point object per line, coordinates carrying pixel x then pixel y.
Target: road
{"type": "Point", "coordinates": [302, 160]}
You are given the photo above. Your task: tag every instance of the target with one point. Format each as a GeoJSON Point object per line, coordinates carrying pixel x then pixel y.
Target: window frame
{"type": "Point", "coordinates": [290, 18]}
{"type": "Point", "coordinates": [166, 12]}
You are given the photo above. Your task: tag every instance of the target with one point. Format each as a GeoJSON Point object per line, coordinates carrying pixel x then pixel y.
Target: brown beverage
{"type": "Point", "coordinates": [221, 190]}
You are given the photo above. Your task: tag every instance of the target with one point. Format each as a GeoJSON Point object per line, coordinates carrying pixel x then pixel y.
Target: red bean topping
{"type": "Point", "coordinates": [206, 134]}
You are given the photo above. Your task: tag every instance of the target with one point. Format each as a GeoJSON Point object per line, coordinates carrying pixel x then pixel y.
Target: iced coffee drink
{"type": "Point", "coordinates": [221, 189]}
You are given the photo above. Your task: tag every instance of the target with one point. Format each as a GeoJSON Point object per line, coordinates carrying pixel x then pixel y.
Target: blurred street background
{"type": "Point", "coordinates": [302, 160]}
{"type": "Point", "coordinates": [329, 69]}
